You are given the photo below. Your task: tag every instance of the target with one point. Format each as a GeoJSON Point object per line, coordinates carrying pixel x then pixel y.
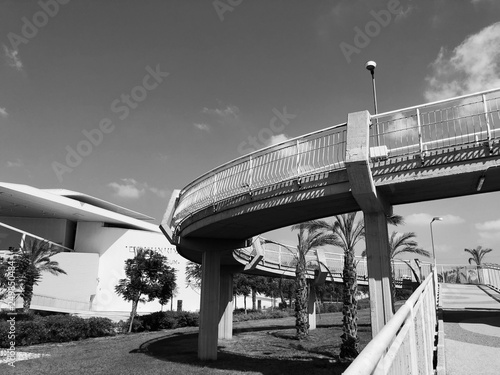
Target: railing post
{"type": "Point", "coordinates": [297, 160]}
{"type": "Point", "coordinates": [250, 173]}
{"type": "Point", "coordinates": [420, 139]}
{"type": "Point", "coordinates": [214, 193]}
{"type": "Point", "coordinates": [488, 126]}
{"type": "Point", "coordinates": [413, 343]}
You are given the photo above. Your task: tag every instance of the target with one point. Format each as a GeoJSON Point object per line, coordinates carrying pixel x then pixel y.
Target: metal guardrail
{"type": "Point", "coordinates": [405, 345]}
{"type": "Point", "coordinates": [488, 274]}
{"type": "Point", "coordinates": [465, 121]}
{"type": "Point", "coordinates": [491, 275]}
{"type": "Point", "coordinates": [283, 257]}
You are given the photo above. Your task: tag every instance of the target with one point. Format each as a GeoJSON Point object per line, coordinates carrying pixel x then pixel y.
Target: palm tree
{"type": "Point", "coordinates": [309, 237]}
{"type": "Point", "coordinates": [31, 260]}
{"type": "Point", "coordinates": [347, 233]}
{"type": "Point", "coordinates": [477, 254]}
{"type": "Point", "coordinates": [400, 243]}
{"type": "Point", "coordinates": [477, 257]}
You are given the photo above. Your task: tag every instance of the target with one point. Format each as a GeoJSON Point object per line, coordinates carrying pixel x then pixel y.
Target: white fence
{"type": "Point", "coordinates": [406, 343]}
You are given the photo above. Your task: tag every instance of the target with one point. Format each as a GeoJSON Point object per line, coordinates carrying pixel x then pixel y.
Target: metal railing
{"type": "Point", "coordinates": [313, 153]}
{"type": "Point", "coordinates": [490, 274]}
{"type": "Point", "coordinates": [469, 120]}
{"type": "Point", "coordinates": [465, 121]}
{"type": "Point", "coordinates": [405, 345]}
{"type": "Point", "coordinates": [284, 257]}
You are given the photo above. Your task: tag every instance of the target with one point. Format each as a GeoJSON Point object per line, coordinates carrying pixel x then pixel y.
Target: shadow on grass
{"type": "Point", "coordinates": [182, 348]}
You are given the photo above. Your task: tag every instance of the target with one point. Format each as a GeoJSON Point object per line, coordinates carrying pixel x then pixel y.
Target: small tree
{"type": "Point", "coordinates": [147, 276]}
{"type": "Point", "coordinates": [193, 274]}
{"type": "Point", "coordinates": [30, 261]}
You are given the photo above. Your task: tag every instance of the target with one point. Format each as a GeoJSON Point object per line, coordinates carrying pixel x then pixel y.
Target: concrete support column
{"type": "Point", "coordinates": [311, 306]}
{"type": "Point", "coordinates": [379, 270]}
{"type": "Point", "coordinates": [375, 209]}
{"type": "Point", "coordinates": [226, 304]}
{"type": "Point", "coordinates": [209, 307]}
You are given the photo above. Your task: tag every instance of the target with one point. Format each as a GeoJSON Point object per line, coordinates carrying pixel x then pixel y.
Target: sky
{"type": "Point", "coordinates": [128, 100]}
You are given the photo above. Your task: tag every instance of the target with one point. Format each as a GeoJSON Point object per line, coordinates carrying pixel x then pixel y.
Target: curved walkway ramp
{"type": "Point", "coordinates": [471, 315]}
{"type": "Point", "coordinates": [269, 258]}
{"type": "Point", "coordinates": [369, 163]}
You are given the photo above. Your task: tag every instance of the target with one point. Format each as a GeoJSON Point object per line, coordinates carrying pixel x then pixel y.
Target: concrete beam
{"type": "Point", "coordinates": [259, 254]}
{"type": "Point", "coordinates": [209, 307]}
{"type": "Point", "coordinates": [323, 269]}
{"type": "Point", "coordinates": [167, 217]}
{"type": "Point", "coordinates": [379, 270]}
{"type": "Point", "coordinates": [375, 209]}
{"type": "Point", "coordinates": [226, 304]}
{"type": "Point", "coordinates": [358, 165]}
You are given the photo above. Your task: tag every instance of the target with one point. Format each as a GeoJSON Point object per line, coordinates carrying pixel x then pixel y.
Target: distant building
{"type": "Point", "coordinates": [96, 237]}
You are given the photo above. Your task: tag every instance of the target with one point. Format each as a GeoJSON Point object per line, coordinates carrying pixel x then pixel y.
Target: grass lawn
{"type": "Point", "coordinates": [258, 347]}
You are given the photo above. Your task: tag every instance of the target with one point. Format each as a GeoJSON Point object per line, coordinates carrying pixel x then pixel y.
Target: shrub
{"type": "Point", "coordinates": [329, 307]}
{"type": "Point", "coordinates": [65, 327]}
{"type": "Point", "coordinates": [20, 316]}
{"type": "Point", "coordinates": [28, 332]}
{"type": "Point", "coordinates": [169, 320]}
{"type": "Point", "coordinates": [263, 314]}
{"type": "Point", "coordinates": [98, 327]}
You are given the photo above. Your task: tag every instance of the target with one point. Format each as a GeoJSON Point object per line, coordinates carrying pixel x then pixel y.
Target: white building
{"type": "Point", "coordinates": [96, 238]}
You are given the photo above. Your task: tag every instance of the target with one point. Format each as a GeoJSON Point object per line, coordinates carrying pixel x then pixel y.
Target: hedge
{"type": "Point", "coordinates": [33, 329]}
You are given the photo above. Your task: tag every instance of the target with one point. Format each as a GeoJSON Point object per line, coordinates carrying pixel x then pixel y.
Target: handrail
{"type": "Point", "coordinates": [437, 102]}
{"type": "Point", "coordinates": [397, 344]}
{"type": "Point", "coordinates": [410, 131]}
{"type": "Point", "coordinates": [282, 257]}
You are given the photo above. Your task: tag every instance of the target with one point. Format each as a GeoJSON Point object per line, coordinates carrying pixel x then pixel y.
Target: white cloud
{"type": "Point", "coordinates": [490, 237]}
{"type": "Point", "coordinates": [12, 58]}
{"type": "Point", "coordinates": [489, 232]}
{"type": "Point", "coordinates": [489, 225]}
{"type": "Point", "coordinates": [15, 164]}
{"type": "Point", "coordinates": [277, 138]}
{"type": "Point", "coordinates": [231, 112]}
{"type": "Point", "coordinates": [202, 127]}
{"type": "Point", "coordinates": [425, 219]}
{"type": "Point", "coordinates": [472, 66]}
{"type": "Point", "coordinates": [162, 193]}
{"type": "Point", "coordinates": [3, 112]}
{"type": "Point", "coordinates": [131, 189]}
{"type": "Point", "coordinates": [128, 188]}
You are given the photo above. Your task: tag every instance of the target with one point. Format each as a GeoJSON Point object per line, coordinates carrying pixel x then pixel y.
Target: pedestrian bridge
{"type": "Point", "coordinates": [437, 150]}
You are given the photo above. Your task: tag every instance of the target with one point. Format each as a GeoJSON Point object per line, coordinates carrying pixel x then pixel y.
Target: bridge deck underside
{"type": "Point", "coordinates": [441, 175]}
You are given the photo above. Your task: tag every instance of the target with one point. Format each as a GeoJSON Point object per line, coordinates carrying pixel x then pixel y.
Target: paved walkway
{"type": "Point", "coordinates": [471, 316]}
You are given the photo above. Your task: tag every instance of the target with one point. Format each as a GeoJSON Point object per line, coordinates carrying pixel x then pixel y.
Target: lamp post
{"type": "Point", "coordinates": [432, 238]}
{"type": "Point", "coordinates": [371, 65]}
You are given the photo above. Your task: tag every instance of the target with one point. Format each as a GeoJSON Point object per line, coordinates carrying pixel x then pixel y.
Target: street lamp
{"type": "Point", "coordinates": [371, 65]}
{"type": "Point", "coordinates": [432, 238]}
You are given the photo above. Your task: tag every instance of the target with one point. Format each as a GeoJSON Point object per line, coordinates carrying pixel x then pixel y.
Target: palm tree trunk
{"type": "Point", "coordinates": [349, 347]}
{"type": "Point", "coordinates": [27, 295]}
{"type": "Point", "coordinates": [301, 297]}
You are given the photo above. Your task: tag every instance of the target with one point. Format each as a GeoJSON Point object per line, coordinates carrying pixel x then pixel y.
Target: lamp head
{"type": "Point", "coordinates": [437, 219]}
{"type": "Point", "coordinates": [371, 65]}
